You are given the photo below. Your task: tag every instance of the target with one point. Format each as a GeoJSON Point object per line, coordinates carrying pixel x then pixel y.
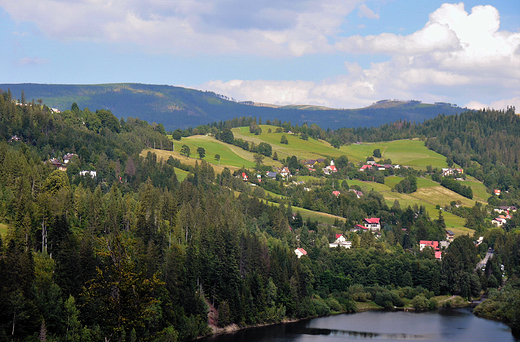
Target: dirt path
{"type": "Point", "coordinates": [447, 299]}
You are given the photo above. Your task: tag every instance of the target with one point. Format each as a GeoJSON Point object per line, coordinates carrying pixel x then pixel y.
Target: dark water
{"type": "Point", "coordinates": [440, 325]}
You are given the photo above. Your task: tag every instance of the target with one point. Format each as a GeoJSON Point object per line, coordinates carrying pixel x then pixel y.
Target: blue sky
{"type": "Point", "coordinates": [342, 54]}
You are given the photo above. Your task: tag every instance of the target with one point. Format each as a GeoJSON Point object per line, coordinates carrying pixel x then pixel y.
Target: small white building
{"type": "Point", "coordinates": [498, 221]}
{"type": "Point", "coordinates": [300, 252]}
{"type": "Point", "coordinates": [92, 174]}
{"type": "Point", "coordinates": [341, 242]}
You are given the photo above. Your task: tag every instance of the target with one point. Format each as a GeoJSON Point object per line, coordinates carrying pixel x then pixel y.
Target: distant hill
{"type": "Point", "coordinates": [177, 107]}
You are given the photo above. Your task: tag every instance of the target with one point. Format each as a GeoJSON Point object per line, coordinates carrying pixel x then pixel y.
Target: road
{"type": "Point", "coordinates": [482, 263]}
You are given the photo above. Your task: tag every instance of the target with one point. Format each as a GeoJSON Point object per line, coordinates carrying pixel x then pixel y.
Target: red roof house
{"type": "Point", "coordinates": [300, 252]}
{"type": "Point", "coordinates": [372, 223]}
{"type": "Point", "coordinates": [426, 243]}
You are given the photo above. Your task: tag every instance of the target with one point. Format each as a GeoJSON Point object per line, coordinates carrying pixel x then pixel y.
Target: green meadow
{"type": "Point", "coordinates": [181, 174]}
{"type": "Point", "coordinates": [229, 154]}
{"type": "Point", "coordinates": [303, 149]}
{"type": "Point", "coordinates": [429, 194]}
{"type": "Point", "coordinates": [4, 228]}
{"type": "Point", "coordinates": [404, 152]}
{"type": "Point", "coordinates": [479, 189]}
{"type": "Point", "coordinates": [315, 215]}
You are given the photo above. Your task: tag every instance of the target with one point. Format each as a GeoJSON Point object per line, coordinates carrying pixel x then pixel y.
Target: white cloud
{"type": "Point", "coordinates": [500, 104]}
{"type": "Point", "coordinates": [270, 27]}
{"type": "Point", "coordinates": [364, 11]}
{"type": "Point", "coordinates": [456, 55]}
{"type": "Point", "coordinates": [31, 61]}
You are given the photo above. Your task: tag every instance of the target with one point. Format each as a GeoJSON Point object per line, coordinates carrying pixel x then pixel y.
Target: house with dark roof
{"type": "Point", "coordinates": [272, 174]}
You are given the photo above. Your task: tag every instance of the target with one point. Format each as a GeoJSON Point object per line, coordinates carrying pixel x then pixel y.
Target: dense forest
{"type": "Point", "coordinates": [133, 254]}
{"type": "Point", "coordinates": [183, 107]}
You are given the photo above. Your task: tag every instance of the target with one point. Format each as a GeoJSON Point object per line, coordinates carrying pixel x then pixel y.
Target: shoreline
{"type": "Point", "coordinates": [233, 328]}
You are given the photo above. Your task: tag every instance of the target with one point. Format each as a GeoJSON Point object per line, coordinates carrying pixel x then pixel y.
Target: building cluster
{"type": "Point", "coordinates": [62, 164]}
{"type": "Point", "coordinates": [313, 164]}
{"type": "Point", "coordinates": [446, 172]}
{"type": "Point", "coordinates": [380, 167]}
{"type": "Point", "coordinates": [505, 213]}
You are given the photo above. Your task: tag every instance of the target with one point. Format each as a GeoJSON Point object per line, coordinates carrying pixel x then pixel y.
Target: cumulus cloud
{"type": "Point", "coordinates": [455, 55]}
{"type": "Point", "coordinates": [270, 27]}
{"type": "Point", "coordinates": [364, 11]}
{"type": "Point", "coordinates": [455, 52]}
{"type": "Point", "coordinates": [500, 104]}
{"type": "Point", "coordinates": [31, 61]}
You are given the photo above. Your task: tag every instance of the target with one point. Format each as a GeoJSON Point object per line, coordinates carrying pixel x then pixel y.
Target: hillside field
{"type": "Point", "coordinates": [429, 194]}
{"type": "Point", "coordinates": [4, 228]}
{"type": "Point", "coordinates": [404, 152]}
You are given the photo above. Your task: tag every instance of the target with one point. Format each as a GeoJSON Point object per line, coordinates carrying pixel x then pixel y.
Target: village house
{"type": "Point", "coordinates": [68, 157]}
{"type": "Point", "coordinates": [450, 235]}
{"type": "Point", "coordinates": [341, 242]}
{"type": "Point", "coordinates": [426, 243]}
{"type": "Point", "coordinates": [358, 228]}
{"type": "Point", "coordinates": [450, 172]}
{"type": "Point", "coordinates": [15, 138]}
{"type": "Point", "coordinates": [444, 244]}
{"type": "Point", "coordinates": [300, 252]}
{"type": "Point", "coordinates": [57, 164]}
{"type": "Point", "coordinates": [245, 178]}
{"type": "Point", "coordinates": [372, 223]}
{"type": "Point", "coordinates": [271, 174]}
{"type": "Point", "coordinates": [330, 168]}
{"type": "Point", "coordinates": [92, 174]}
{"type": "Point", "coordinates": [357, 192]}
{"type": "Point", "coordinates": [499, 221]}
{"type": "Point", "coordinates": [336, 193]}
{"type": "Point", "coordinates": [285, 172]}
{"type": "Point", "coordinates": [505, 209]}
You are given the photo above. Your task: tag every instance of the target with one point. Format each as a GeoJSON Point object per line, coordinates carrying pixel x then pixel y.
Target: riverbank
{"type": "Point", "coordinates": [443, 301]}
{"type": "Point", "coordinates": [442, 325]}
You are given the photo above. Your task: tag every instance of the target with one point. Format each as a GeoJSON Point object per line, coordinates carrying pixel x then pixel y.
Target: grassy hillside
{"type": "Point", "coordinates": [4, 228]}
{"type": "Point", "coordinates": [177, 107]}
{"type": "Point", "coordinates": [405, 152]}
{"type": "Point", "coordinates": [429, 194]}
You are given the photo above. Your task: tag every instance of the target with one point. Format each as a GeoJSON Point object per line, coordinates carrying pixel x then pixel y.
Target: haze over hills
{"type": "Point", "coordinates": [178, 107]}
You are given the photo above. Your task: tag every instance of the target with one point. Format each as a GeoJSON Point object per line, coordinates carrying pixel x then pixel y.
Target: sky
{"type": "Point", "coordinates": [334, 53]}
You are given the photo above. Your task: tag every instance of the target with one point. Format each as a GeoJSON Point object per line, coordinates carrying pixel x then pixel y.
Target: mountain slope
{"type": "Point", "coordinates": [177, 107]}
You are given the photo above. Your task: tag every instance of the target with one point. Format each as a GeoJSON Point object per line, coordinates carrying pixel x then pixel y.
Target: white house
{"type": "Point", "coordinates": [341, 241]}
{"type": "Point", "coordinates": [92, 174]}
{"type": "Point", "coordinates": [372, 223]}
{"type": "Point", "coordinates": [300, 252]}
{"type": "Point", "coordinates": [498, 221]}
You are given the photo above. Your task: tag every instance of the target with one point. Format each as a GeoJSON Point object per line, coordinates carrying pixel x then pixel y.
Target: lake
{"type": "Point", "coordinates": [439, 325]}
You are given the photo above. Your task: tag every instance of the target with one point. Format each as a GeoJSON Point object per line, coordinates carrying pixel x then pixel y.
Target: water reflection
{"type": "Point", "coordinates": [366, 335]}
{"type": "Point", "coordinates": [444, 325]}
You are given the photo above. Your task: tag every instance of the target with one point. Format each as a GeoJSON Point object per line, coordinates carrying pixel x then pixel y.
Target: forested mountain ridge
{"type": "Point", "coordinates": [177, 107]}
{"type": "Point", "coordinates": [134, 254]}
